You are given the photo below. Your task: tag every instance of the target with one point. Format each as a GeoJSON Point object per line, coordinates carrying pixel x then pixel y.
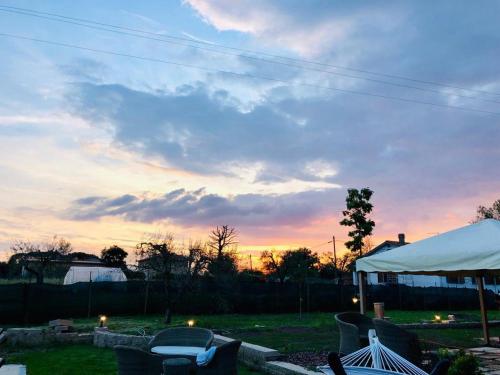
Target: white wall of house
{"type": "Point", "coordinates": [433, 281]}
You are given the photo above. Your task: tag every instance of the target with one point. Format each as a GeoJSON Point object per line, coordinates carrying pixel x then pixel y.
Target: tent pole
{"type": "Point", "coordinates": [362, 292]}
{"type": "Point", "coordinates": [484, 314]}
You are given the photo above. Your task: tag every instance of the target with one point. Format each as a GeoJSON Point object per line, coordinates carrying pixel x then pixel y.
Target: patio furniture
{"type": "Point", "coordinates": [13, 370]}
{"type": "Point", "coordinates": [176, 366]}
{"type": "Point", "coordinates": [375, 359]}
{"type": "Point", "coordinates": [353, 329]}
{"type": "Point", "coordinates": [134, 361]}
{"type": "Point", "coordinates": [399, 340]}
{"type": "Point", "coordinates": [337, 367]}
{"type": "Point", "coordinates": [181, 342]}
{"type": "Point", "coordinates": [335, 364]}
{"type": "Point", "coordinates": [224, 361]}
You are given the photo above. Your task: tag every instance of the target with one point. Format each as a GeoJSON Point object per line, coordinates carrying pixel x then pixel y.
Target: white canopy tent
{"type": "Point", "coordinates": [473, 250]}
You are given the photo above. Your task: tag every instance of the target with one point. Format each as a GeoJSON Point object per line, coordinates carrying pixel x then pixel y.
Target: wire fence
{"type": "Point", "coordinates": [33, 303]}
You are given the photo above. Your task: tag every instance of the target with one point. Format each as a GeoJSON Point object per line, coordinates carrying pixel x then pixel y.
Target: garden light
{"type": "Point", "coordinates": [190, 323]}
{"type": "Point", "coordinates": [102, 320]}
{"type": "Point", "coordinates": [437, 318]}
{"type": "Point", "coordinates": [355, 300]}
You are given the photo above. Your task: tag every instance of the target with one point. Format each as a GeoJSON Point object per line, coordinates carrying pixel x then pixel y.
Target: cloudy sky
{"type": "Point", "coordinates": [257, 114]}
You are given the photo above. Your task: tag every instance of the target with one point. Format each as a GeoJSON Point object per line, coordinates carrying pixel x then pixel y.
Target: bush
{"type": "Point", "coordinates": [461, 363]}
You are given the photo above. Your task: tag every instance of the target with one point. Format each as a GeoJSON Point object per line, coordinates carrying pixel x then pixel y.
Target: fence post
{"type": "Point", "coordinates": [25, 303]}
{"type": "Point", "coordinates": [300, 300]}
{"type": "Point", "coordinates": [341, 297]}
{"type": "Point", "coordinates": [308, 291]}
{"type": "Point", "coordinates": [89, 307]}
{"type": "Point", "coordinates": [399, 297]}
{"type": "Point", "coordinates": [146, 298]}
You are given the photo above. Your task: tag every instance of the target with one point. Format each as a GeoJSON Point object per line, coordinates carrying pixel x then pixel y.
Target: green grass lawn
{"type": "Point", "coordinates": [263, 321]}
{"type": "Point", "coordinates": [288, 333]}
{"type": "Point", "coordinates": [74, 360]}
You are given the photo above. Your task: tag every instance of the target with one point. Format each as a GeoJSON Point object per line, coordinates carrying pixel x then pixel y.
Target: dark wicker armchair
{"type": "Point", "coordinates": [183, 336]}
{"type": "Point", "coordinates": [134, 361]}
{"type": "Point", "coordinates": [335, 364]}
{"type": "Point", "coordinates": [353, 329]}
{"type": "Point", "coordinates": [225, 360]}
{"type": "Point", "coordinates": [399, 340]}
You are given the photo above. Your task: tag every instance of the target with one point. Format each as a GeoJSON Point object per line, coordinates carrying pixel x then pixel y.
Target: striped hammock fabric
{"type": "Point", "coordinates": [375, 359]}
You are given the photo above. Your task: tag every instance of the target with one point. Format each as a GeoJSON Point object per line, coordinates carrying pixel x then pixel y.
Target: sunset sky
{"type": "Point", "coordinates": [102, 148]}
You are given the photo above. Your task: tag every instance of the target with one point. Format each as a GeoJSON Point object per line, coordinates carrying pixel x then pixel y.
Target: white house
{"type": "Point", "coordinates": [388, 278]}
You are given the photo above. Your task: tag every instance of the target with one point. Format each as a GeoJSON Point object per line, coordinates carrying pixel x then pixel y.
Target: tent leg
{"type": "Point", "coordinates": [362, 292]}
{"type": "Point", "coordinates": [484, 314]}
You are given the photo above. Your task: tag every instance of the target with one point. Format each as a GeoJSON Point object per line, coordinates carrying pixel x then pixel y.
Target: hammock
{"type": "Point", "coordinates": [375, 359]}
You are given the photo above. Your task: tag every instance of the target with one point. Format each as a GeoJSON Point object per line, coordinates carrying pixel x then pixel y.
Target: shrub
{"type": "Point", "coordinates": [461, 363]}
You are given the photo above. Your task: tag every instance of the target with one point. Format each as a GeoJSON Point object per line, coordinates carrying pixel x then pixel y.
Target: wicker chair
{"type": "Point", "coordinates": [335, 364]}
{"type": "Point", "coordinates": [399, 340]}
{"type": "Point", "coordinates": [353, 329]}
{"type": "Point", "coordinates": [225, 360]}
{"type": "Point", "coordinates": [134, 361]}
{"type": "Point", "coordinates": [183, 336]}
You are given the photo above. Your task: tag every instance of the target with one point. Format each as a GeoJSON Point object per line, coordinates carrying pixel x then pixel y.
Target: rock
{"type": "Point", "coordinates": [62, 329]}
{"type": "Point", "coordinates": [61, 322]}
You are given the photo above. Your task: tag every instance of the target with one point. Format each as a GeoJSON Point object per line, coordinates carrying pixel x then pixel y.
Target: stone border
{"type": "Point", "coordinates": [108, 339]}
{"type": "Point", "coordinates": [43, 336]}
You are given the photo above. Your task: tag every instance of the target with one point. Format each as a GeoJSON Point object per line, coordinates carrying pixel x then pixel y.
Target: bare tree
{"type": "Point", "coordinates": [178, 271]}
{"type": "Point", "coordinates": [273, 264]}
{"type": "Point", "coordinates": [36, 258]}
{"type": "Point", "coordinates": [221, 239]}
{"type": "Point", "coordinates": [344, 263]}
{"type": "Point", "coordinates": [492, 212]}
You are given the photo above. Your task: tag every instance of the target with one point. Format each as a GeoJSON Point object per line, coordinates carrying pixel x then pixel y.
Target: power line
{"type": "Point", "coordinates": [251, 76]}
{"type": "Point", "coordinates": [35, 13]}
{"type": "Point", "coordinates": [319, 245]}
{"type": "Point", "coordinates": [300, 67]}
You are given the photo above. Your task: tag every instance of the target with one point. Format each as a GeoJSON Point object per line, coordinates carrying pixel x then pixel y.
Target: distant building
{"type": "Point", "coordinates": [389, 278]}
{"type": "Point", "coordinates": [78, 274]}
{"type": "Point", "coordinates": [61, 263]}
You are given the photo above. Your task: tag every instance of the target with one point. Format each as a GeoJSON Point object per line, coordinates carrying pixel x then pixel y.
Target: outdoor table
{"type": "Point", "coordinates": [13, 370]}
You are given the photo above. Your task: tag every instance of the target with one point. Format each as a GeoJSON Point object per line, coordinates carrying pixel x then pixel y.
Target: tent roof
{"type": "Point", "coordinates": [472, 248]}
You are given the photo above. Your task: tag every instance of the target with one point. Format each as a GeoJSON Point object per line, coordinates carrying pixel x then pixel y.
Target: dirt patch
{"type": "Point", "coordinates": [308, 360]}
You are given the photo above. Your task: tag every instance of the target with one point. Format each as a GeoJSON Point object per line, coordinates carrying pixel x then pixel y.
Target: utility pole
{"type": "Point", "coordinates": [334, 255]}
{"type": "Point", "coordinates": [250, 257]}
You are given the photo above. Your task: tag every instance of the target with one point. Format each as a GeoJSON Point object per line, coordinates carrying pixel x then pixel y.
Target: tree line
{"type": "Point", "coordinates": [181, 266]}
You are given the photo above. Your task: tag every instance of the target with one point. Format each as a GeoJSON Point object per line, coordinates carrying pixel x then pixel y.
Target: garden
{"type": "Point", "coordinates": [302, 340]}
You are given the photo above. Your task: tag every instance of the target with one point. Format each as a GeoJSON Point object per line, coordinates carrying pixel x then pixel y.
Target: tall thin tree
{"type": "Point", "coordinates": [358, 207]}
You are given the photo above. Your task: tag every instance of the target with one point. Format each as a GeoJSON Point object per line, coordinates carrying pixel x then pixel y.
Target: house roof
{"type": "Point", "coordinates": [377, 249]}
